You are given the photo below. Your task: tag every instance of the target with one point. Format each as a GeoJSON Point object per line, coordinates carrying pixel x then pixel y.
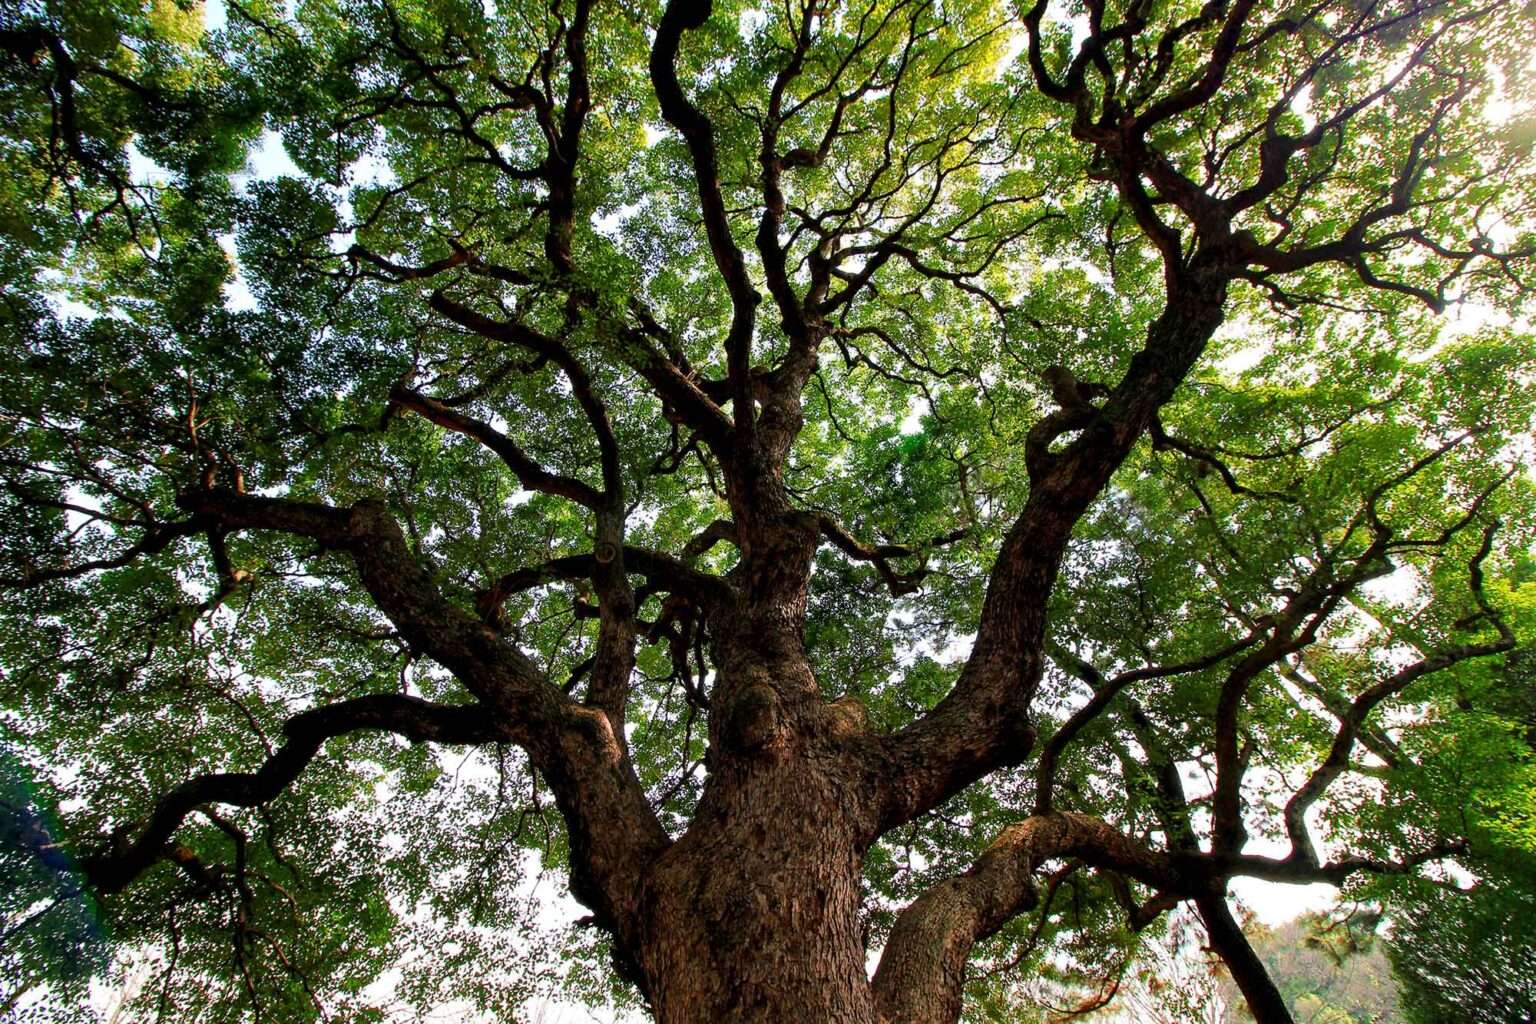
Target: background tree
{"type": "Point", "coordinates": [50, 932]}
{"type": "Point", "coordinates": [1467, 955]}
{"type": "Point", "coordinates": [940, 479]}
{"type": "Point", "coordinates": [1468, 951]}
{"type": "Point", "coordinates": [1331, 968]}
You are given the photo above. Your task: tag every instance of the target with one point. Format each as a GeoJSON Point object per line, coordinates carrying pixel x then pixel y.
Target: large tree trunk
{"type": "Point", "coordinates": [753, 915]}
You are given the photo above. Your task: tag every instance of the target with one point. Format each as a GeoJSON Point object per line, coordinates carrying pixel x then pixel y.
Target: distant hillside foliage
{"type": "Point", "coordinates": [1330, 971]}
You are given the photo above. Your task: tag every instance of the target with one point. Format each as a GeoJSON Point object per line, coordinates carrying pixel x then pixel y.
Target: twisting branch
{"type": "Point", "coordinates": [529, 473]}
{"type": "Point", "coordinates": [543, 346]}
{"type": "Point", "coordinates": [1171, 807]}
{"type": "Point", "coordinates": [565, 146]}
{"type": "Point", "coordinates": [697, 131]}
{"type": "Point", "coordinates": [305, 733]}
{"type": "Point", "coordinates": [922, 969]}
{"type": "Point", "coordinates": [984, 721]}
{"type": "Point", "coordinates": [1206, 85]}
{"type": "Point", "coordinates": [403, 590]}
{"type": "Point", "coordinates": [1352, 722]}
{"type": "Point", "coordinates": [1297, 625]}
{"type": "Point", "coordinates": [1162, 439]}
{"type": "Point", "coordinates": [24, 44]}
{"type": "Point", "coordinates": [899, 582]}
{"type": "Point", "coordinates": [578, 749]}
{"type": "Point", "coordinates": [772, 164]}
{"type": "Point", "coordinates": [1293, 628]}
{"type": "Point", "coordinates": [1105, 691]}
{"type": "Point", "coordinates": [721, 530]}
{"type": "Point", "coordinates": [663, 571]}
{"type": "Point", "coordinates": [1296, 871]}
{"type": "Point", "coordinates": [155, 539]}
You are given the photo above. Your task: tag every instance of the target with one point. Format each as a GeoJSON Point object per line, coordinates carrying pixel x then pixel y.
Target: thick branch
{"type": "Point", "coordinates": [663, 571]}
{"type": "Point", "coordinates": [984, 722]}
{"type": "Point", "coordinates": [1202, 89]}
{"type": "Point", "coordinates": [899, 582]}
{"type": "Point", "coordinates": [565, 147]}
{"type": "Point", "coordinates": [613, 830]}
{"type": "Point", "coordinates": [417, 720]}
{"type": "Point", "coordinates": [699, 134]}
{"type": "Point", "coordinates": [922, 970]}
{"type": "Point", "coordinates": [530, 474]}
{"type": "Point", "coordinates": [1295, 870]}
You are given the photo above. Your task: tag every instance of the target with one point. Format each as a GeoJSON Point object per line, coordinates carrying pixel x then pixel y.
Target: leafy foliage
{"type": "Point", "coordinates": [1467, 955]}
{"type": "Point", "coordinates": [1332, 968]}
{"type": "Point", "coordinates": [53, 939]}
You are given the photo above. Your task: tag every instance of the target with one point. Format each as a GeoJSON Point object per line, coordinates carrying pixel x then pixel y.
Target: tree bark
{"type": "Point", "coordinates": [922, 970]}
{"type": "Point", "coordinates": [753, 915]}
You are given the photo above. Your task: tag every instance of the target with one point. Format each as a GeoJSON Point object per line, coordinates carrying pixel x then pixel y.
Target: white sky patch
{"type": "Point", "coordinates": [1017, 41]}
{"type": "Point", "coordinates": [1250, 344]}
{"type": "Point", "coordinates": [238, 296]}
{"type": "Point", "coordinates": [342, 241]}
{"type": "Point", "coordinates": [71, 309]}
{"type": "Point", "coordinates": [611, 224]}
{"type": "Point", "coordinates": [1469, 317]}
{"type": "Point", "coordinates": [912, 422]}
{"type": "Point", "coordinates": [1081, 29]}
{"type": "Point", "coordinates": [269, 160]}
{"type": "Point", "coordinates": [216, 13]}
{"type": "Point", "coordinates": [751, 23]}
{"type": "Point", "coordinates": [1402, 588]}
{"type": "Point", "coordinates": [144, 171]}
{"type": "Point", "coordinates": [1274, 903]}
{"type": "Point", "coordinates": [1271, 902]}
{"type": "Point", "coordinates": [1502, 107]}
{"type": "Point", "coordinates": [1301, 106]}
{"type": "Point", "coordinates": [371, 170]}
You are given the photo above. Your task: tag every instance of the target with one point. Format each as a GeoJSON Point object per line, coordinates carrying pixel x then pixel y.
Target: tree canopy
{"type": "Point", "coordinates": [937, 483]}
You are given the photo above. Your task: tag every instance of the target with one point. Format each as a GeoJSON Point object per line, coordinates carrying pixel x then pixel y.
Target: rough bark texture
{"type": "Point", "coordinates": [754, 914]}
{"type": "Point", "coordinates": [755, 910]}
{"type": "Point", "coordinates": [922, 969]}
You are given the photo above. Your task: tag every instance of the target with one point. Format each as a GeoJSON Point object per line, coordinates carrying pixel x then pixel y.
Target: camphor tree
{"type": "Point", "coordinates": [932, 485]}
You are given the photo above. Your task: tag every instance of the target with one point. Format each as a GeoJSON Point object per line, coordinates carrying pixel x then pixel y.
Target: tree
{"type": "Point", "coordinates": [940, 479]}
{"type": "Point", "coordinates": [1330, 967]}
{"type": "Point", "coordinates": [1467, 956]}
{"type": "Point", "coordinates": [49, 923]}
{"type": "Point", "coordinates": [1465, 952]}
